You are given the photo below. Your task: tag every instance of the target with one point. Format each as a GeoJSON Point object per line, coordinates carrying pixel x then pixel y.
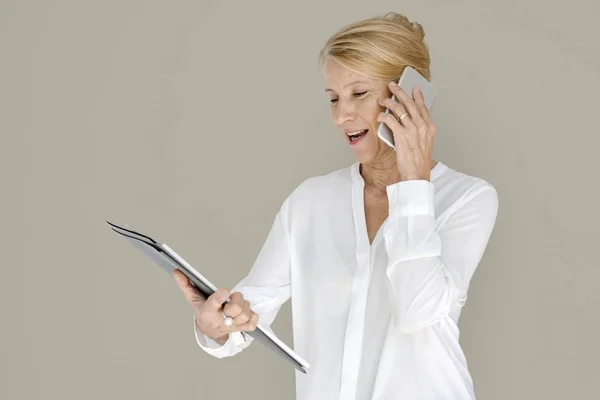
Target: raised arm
{"type": "Point", "coordinates": [429, 270]}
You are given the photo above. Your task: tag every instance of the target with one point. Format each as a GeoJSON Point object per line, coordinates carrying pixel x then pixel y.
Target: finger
{"type": "Point", "coordinates": [244, 316]}
{"type": "Point", "coordinates": [420, 102]}
{"type": "Point", "coordinates": [405, 100]}
{"type": "Point", "coordinates": [405, 135]}
{"type": "Point", "coordinates": [425, 126]}
{"type": "Point", "coordinates": [390, 121]}
{"type": "Point", "coordinates": [215, 301]}
{"type": "Point", "coordinates": [235, 306]}
{"type": "Point", "coordinates": [189, 291]}
{"type": "Point", "coordinates": [399, 110]}
{"type": "Point", "coordinates": [251, 324]}
{"type": "Point", "coordinates": [396, 108]}
{"type": "Point", "coordinates": [400, 129]}
{"type": "Point", "coordinates": [407, 120]}
{"type": "Point", "coordinates": [180, 278]}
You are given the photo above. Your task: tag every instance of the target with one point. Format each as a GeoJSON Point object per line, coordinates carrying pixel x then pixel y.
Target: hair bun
{"type": "Point", "coordinates": [402, 20]}
{"type": "Point", "coordinates": [379, 47]}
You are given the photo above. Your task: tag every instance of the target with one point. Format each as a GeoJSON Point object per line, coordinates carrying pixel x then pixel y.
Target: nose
{"type": "Point", "coordinates": [344, 112]}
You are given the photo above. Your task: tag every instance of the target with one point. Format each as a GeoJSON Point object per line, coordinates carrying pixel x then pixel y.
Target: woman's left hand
{"type": "Point", "coordinates": [413, 133]}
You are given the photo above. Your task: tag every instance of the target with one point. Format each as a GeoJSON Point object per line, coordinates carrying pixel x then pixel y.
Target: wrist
{"type": "Point", "coordinates": [415, 177]}
{"type": "Point", "coordinates": [222, 340]}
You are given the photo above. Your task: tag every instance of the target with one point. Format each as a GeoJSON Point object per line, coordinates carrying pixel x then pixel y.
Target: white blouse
{"type": "Point", "coordinates": [373, 321]}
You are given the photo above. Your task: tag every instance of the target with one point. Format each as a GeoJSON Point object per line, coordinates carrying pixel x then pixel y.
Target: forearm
{"type": "Point", "coordinates": [430, 266]}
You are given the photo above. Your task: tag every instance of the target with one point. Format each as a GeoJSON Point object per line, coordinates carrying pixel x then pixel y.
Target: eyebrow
{"type": "Point", "coordinates": [350, 84]}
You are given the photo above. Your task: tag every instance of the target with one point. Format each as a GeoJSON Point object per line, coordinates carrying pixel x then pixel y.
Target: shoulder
{"type": "Point", "coordinates": [327, 184]}
{"type": "Point", "coordinates": [315, 192]}
{"type": "Point", "coordinates": [459, 189]}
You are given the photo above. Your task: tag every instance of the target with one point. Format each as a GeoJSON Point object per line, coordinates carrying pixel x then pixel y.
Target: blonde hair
{"type": "Point", "coordinates": [380, 47]}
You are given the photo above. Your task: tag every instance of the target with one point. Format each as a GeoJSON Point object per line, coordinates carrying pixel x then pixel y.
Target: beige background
{"type": "Point", "coordinates": [192, 120]}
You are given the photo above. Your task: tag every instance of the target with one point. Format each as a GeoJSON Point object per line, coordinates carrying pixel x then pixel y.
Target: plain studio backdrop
{"type": "Point", "coordinates": [193, 120]}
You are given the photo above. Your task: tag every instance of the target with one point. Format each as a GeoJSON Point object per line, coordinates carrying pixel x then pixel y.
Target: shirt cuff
{"type": "Point", "coordinates": [213, 348]}
{"type": "Point", "coordinates": [415, 197]}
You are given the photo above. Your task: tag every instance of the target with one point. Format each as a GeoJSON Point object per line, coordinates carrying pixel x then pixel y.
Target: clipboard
{"type": "Point", "coordinates": [169, 260]}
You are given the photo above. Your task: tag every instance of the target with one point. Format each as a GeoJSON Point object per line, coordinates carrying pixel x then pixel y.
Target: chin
{"type": "Point", "coordinates": [372, 151]}
{"type": "Point", "coordinates": [368, 156]}
{"type": "Point", "coordinates": [364, 158]}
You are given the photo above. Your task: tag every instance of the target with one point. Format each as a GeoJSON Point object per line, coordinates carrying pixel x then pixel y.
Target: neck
{"type": "Point", "coordinates": [380, 174]}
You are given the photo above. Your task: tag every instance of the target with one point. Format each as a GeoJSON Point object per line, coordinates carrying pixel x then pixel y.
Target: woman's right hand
{"type": "Point", "coordinates": [208, 312]}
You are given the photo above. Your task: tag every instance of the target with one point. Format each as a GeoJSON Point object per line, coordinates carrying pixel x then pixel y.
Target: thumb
{"type": "Point", "coordinates": [216, 300]}
{"type": "Point", "coordinates": [180, 278]}
{"type": "Point", "coordinates": [189, 291]}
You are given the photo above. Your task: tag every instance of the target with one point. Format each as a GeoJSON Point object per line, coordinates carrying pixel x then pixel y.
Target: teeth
{"type": "Point", "coordinates": [354, 133]}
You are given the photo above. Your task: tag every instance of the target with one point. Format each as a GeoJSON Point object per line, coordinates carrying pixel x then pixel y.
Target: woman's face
{"type": "Point", "coordinates": [354, 109]}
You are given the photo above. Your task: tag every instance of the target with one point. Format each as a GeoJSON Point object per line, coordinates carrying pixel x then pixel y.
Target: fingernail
{"type": "Point", "coordinates": [392, 83]}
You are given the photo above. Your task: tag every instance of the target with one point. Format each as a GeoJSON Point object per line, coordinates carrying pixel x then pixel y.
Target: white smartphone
{"type": "Point", "coordinates": [409, 79]}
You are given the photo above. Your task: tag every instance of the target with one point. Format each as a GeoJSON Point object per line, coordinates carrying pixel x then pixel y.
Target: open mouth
{"type": "Point", "coordinates": [356, 137]}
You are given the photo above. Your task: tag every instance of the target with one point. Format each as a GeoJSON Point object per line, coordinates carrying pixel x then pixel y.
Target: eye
{"type": "Point", "coordinates": [359, 94]}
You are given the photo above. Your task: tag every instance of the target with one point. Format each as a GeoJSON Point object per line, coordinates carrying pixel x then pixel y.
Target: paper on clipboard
{"type": "Point", "coordinates": [169, 260]}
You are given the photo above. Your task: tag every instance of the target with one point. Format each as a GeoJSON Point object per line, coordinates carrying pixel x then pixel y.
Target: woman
{"type": "Point", "coordinates": [377, 256]}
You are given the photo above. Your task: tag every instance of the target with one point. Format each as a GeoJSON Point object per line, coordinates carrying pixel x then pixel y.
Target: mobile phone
{"type": "Point", "coordinates": [409, 79]}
